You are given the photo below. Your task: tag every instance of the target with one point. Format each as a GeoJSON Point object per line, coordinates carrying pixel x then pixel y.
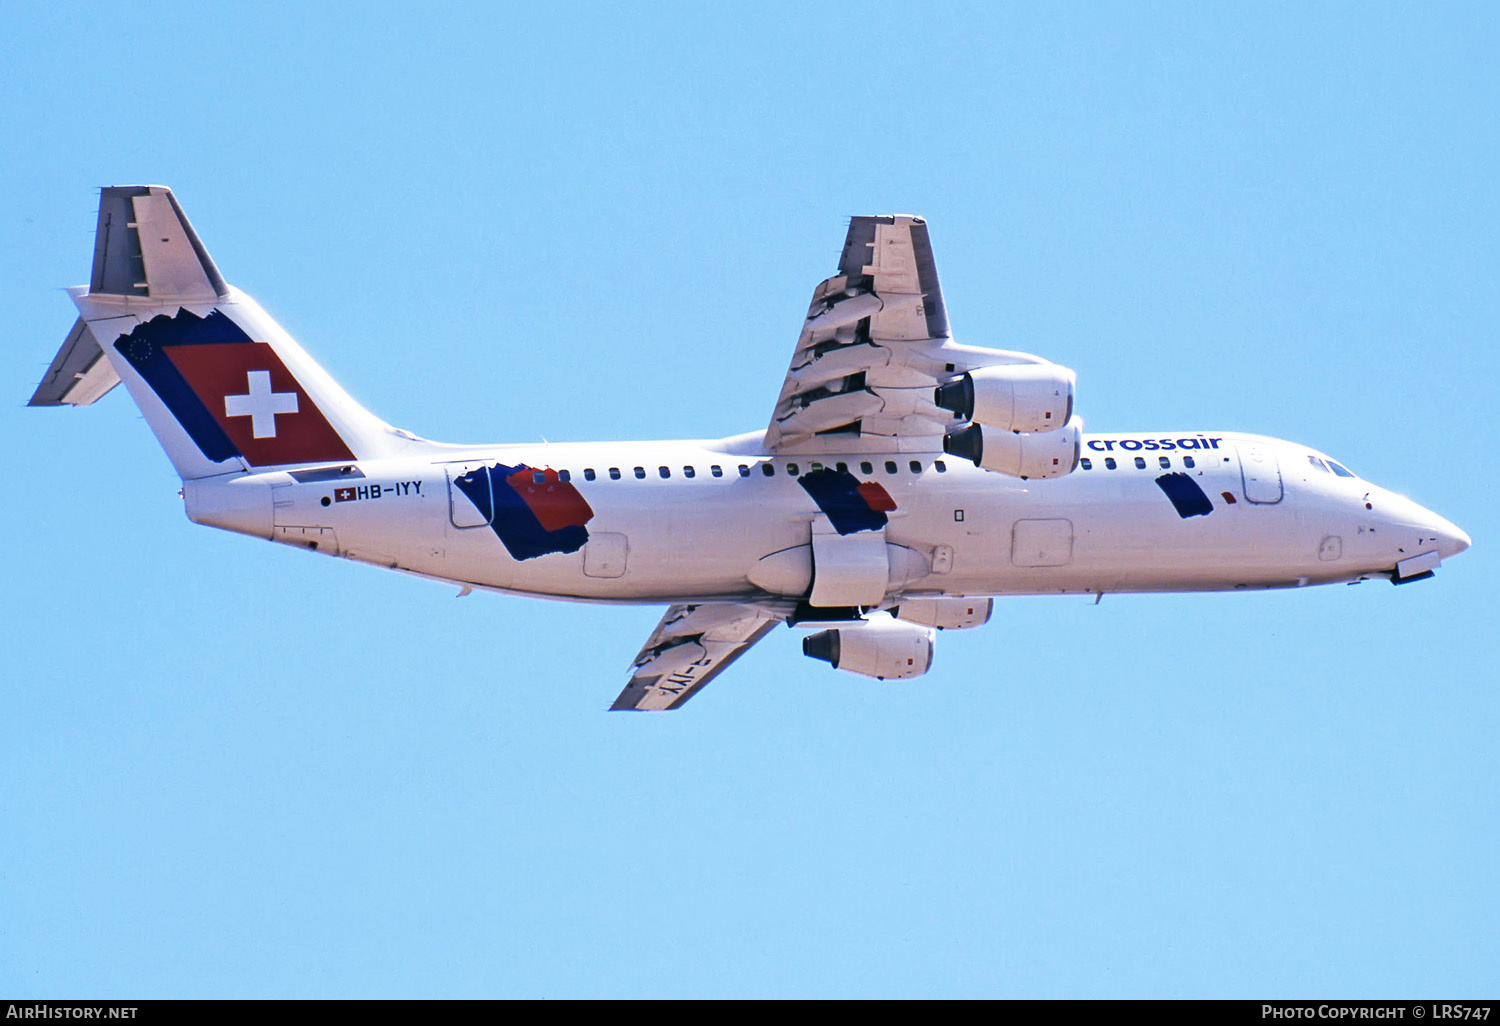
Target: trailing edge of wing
{"type": "Point", "coordinates": [691, 646]}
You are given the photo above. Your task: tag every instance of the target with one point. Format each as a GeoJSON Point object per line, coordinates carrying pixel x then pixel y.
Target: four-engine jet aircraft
{"type": "Point", "coordinates": [902, 481]}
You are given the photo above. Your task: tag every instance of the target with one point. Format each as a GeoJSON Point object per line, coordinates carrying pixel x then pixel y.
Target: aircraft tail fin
{"type": "Point", "coordinates": [223, 387]}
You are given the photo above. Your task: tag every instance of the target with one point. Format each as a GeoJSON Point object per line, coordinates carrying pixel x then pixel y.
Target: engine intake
{"type": "Point", "coordinates": [1015, 397]}
{"type": "Point", "coordinates": [1042, 454]}
{"type": "Point", "coordinates": [879, 647]}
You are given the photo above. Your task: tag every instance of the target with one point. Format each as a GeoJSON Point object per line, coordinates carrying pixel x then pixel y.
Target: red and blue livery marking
{"type": "Point", "coordinates": [849, 504]}
{"type": "Point", "coordinates": [531, 511]}
{"type": "Point", "coordinates": [232, 395]}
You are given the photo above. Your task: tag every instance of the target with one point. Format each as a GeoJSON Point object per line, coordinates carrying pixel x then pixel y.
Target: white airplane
{"type": "Point", "coordinates": [902, 481]}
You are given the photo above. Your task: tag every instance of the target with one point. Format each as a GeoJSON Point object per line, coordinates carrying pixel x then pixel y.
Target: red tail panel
{"type": "Point", "coordinates": [251, 395]}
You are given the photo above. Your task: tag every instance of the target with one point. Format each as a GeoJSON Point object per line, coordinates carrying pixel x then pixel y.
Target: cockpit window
{"type": "Point", "coordinates": [1340, 471]}
{"type": "Point", "coordinates": [1318, 463]}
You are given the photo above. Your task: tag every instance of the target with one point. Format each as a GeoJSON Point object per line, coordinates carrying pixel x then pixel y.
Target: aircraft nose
{"type": "Point", "coordinates": [1406, 515]}
{"type": "Point", "coordinates": [1451, 539]}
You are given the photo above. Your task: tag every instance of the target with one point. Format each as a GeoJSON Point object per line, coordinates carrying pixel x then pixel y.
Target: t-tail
{"type": "Point", "coordinates": [224, 388]}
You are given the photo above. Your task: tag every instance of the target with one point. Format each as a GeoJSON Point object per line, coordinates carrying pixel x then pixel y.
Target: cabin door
{"type": "Point", "coordinates": [1261, 475]}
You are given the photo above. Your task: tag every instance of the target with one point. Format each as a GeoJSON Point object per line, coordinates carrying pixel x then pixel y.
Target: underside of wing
{"type": "Point", "coordinates": [691, 646]}
{"type": "Point", "coordinates": [865, 366]}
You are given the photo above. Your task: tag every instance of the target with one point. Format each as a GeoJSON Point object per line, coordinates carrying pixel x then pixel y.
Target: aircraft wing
{"type": "Point", "coordinates": [690, 647]}
{"type": "Point", "coordinates": [858, 379]}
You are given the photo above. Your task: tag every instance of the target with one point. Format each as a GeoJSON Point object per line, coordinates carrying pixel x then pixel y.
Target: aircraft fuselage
{"type": "Point", "coordinates": [674, 522]}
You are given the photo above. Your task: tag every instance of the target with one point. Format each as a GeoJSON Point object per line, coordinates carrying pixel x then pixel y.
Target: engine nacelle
{"type": "Point", "coordinates": [1016, 397]}
{"type": "Point", "coordinates": [880, 647]}
{"type": "Point", "coordinates": [946, 614]}
{"type": "Point", "coordinates": [1043, 454]}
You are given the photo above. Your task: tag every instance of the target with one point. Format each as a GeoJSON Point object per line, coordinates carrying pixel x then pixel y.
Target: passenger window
{"type": "Point", "coordinates": [588, 473]}
{"type": "Point", "coordinates": [665, 472]}
{"type": "Point", "coordinates": [866, 467]}
{"type": "Point", "coordinates": [614, 473]}
{"type": "Point", "coordinates": [1140, 463]}
{"type": "Point", "coordinates": [768, 469]}
{"type": "Point", "coordinates": [1109, 462]}
{"type": "Point", "coordinates": [537, 477]}
{"type": "Point", "coordinates": [843, 468]}
{"type": "Point", "coordinates": [791, 468]}
{"type": "Point", "coordinates": [916, 466]}
{"type": "Point", "coordinates": [1187, 461]}
{"type": "Point", "coordinates": [940, 466]}
{"type": "Point", "coordinates": [744, 470]}
{"type": "Point", "coordinates": [890, 467]}
{"type": "Point", "coordinates": [640, 473]}
{"type": "Point", "coordinates": [716, 470]}
{"type": "Point", "coordinates": [1086, 464]}
{"type": "Point", "coordinates": [565, 476]}
{"type": "Point", "coordinates": [813, 468]}
{"type": "Point", "coordinates": [1166, 464]}
{"type": "Point", "coordinates": [689, 472]}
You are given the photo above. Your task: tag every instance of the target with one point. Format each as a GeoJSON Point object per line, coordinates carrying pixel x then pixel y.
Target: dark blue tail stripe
{"type": "Point", "coordinates": [143, 348]}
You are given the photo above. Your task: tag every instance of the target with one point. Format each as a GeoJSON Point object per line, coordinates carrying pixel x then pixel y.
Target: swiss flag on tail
{"type": "Point", "coordinates": [260, 406]}
{"type": "Point", "coordinates": [231, 394]}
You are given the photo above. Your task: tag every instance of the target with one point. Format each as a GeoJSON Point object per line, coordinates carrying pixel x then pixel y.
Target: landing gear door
{"type": "Point", "coordinates": [848, 569]}
{"type": "Point", "coordinates": [1260, 473]}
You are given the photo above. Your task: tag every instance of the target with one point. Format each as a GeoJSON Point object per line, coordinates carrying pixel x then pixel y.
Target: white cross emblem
{"type": "Point", "coordinates": [261, 405]}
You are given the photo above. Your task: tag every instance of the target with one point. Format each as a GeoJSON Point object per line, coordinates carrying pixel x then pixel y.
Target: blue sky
{"type": "Point", "coordinates": [230, 769]}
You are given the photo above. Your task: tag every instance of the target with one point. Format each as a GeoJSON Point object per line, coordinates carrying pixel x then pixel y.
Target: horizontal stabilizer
{"type": "Point", "coordinates": [145, 246]}
{"type": "Point", "coordinates": [220, 383]}
{"type": "Point", "coordinates": [79, 374]}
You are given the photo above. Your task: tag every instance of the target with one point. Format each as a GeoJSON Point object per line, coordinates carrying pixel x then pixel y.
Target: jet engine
{"type": "Point", "coordinates": [1015, 397]}
{"type": "Point", "coordinates": [1039, 454]}
{"type": "Point", "coordinates": [879, 647]}
{"type": "Point", "coordinates": [946, 614]}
